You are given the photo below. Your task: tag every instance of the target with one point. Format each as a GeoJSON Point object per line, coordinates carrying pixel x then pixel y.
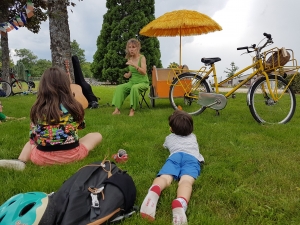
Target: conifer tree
{"type": "Point", "coordinates": [123, 20]}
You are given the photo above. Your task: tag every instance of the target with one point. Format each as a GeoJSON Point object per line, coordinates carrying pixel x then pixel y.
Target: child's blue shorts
{"type": "Point", "coordinates": [179, 164]}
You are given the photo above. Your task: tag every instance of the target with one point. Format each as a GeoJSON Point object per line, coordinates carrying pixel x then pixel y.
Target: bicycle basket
{"type": "Point", "coordinates": [276, 58]}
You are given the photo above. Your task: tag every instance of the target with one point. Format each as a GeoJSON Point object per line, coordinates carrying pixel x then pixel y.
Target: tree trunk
{"type": "Point", "coordinates": [60, 35]}
{"type": "Point", "coordinates": [5, 57]}
{"type": "Point", "coordinates": [5, 49]}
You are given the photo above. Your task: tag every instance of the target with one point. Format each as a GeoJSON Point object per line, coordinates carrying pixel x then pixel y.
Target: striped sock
{"type": "Point", "coordinates": [148, 208]}
{"type": "Point", "coordinates": [179, 207]}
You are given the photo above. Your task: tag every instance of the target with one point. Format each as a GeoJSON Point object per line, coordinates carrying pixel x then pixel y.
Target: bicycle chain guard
{"type": "Point", "coordinates": [212, 100]}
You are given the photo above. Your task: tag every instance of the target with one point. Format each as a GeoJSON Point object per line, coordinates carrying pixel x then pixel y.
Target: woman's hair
{"type": "Point", "coordinates": [55, 89]}
{"type": "Point", "coordinates": [181, 123]}
{"type": "Point", "coordinates": [134, 42]}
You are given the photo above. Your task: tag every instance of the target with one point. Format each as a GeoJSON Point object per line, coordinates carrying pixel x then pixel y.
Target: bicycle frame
{"type": "Point", "coordinates": [258, 69]}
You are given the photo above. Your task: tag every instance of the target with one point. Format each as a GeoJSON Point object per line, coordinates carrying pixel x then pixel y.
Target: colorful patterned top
{"type": "Point", "coordinates": [62, 136]}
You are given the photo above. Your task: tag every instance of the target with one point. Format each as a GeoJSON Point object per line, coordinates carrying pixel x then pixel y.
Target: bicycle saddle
{"type": "Point", "coordinates": [210, 61]}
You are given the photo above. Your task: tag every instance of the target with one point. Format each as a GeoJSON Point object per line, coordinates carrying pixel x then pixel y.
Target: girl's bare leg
{"type": "Point", "coordinates": [91, 140]}
{"type": "Point", "coordinates": [26, 151]}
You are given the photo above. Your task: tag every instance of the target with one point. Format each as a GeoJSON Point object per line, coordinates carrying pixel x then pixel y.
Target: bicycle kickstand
{"type": "Point", "coordinates": [217, 113]}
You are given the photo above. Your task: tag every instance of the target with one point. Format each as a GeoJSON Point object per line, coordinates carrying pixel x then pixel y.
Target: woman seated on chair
{"type": "Point", "coordinates": [138, 78]}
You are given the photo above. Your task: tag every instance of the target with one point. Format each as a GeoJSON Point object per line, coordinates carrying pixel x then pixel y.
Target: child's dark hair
{"type": "Point", "coordinates": [181, 123]}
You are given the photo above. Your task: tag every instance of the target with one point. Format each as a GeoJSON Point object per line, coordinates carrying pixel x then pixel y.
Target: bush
{"type": "Point", "coordinates": [295, 85]}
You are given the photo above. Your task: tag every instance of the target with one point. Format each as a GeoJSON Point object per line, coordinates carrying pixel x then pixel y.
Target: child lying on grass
{"type": "Point", "coordinates": [183, 165]}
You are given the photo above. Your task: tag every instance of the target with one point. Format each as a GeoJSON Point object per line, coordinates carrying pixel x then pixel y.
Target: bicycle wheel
{"type": "Point", "coordinates": [5, 89]}
{"type": "Point", "coordinates": [184, 92]}
{"type": "Point", "coordinates": [264, 109]}
{"type": "Point", "coordinates": [19, 87]}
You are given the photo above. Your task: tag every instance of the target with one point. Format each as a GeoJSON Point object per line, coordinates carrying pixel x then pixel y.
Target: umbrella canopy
{"type": "Point", "coordinates": [180, 23]}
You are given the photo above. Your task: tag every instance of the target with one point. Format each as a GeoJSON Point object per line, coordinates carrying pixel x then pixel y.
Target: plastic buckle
{"type": "Point", "coordinates": [95, 201]}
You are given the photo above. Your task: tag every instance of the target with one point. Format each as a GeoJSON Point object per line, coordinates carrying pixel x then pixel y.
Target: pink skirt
{"type": "Point", "coordinates": [58, 157]}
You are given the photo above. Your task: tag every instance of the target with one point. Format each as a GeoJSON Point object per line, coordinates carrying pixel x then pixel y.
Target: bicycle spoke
{"type": "Point", "coordinates": [184, 93]}
{"type": "Point", "coordinates": [20, 87]}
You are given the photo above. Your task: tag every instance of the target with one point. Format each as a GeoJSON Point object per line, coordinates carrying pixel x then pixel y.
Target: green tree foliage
{"type": "Point", "coordinates": [173, 65]}
{"type": "Point", "coordinates": [76, 50]}
{"type": "Point", "coordinates": [26, 57]}
{"type": "Point", "coordinates": [8, 10]}
{"type": "Point", "coordinates": [232, 70]}
{"type": "Point", "coordinates": [29, 61]}
{"type": "Point", "coordinates": [295, 85]}
{"type": "Point", "coordinates": [85, 66]}
{"type": "Point", "coordinates": [19, 70]}
{"type": "Point", "coordinates": [123, 20]}
{"type": "Point", "coordinates": [86, 69]}
{"type": "Point", "coordinates": [39, 67]}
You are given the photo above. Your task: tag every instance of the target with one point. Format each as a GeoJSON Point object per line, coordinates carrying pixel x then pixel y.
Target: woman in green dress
{"type": "Point", "coordinates": [138, 78]}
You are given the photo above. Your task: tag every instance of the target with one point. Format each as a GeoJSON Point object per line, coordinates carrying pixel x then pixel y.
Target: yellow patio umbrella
{"type": "Point", "coordinates": [180, 23]}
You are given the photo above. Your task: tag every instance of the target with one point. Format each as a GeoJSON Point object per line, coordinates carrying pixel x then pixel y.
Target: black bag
{"type": "Point", "coordinates": [97, 193]}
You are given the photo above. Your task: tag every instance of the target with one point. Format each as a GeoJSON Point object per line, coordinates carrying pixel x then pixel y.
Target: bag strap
{"type": "Point", "coordinates": [104, 219]}
{"type": "Point", "coordinates": [103, 165]}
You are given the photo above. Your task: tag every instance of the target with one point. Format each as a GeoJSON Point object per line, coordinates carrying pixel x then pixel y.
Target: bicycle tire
{"type": "Point", "coordinates": [5, 86]}
{"type": "Point", "coordinates": [184, 92]}
{"type": "Point", "coordinates": [19, 87]}
{"type": "Point", "coordinates": [264, 109]}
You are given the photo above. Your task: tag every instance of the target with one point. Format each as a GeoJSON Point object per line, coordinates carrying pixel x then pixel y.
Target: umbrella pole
{"type": "Point", "coordinates": [180, 49]}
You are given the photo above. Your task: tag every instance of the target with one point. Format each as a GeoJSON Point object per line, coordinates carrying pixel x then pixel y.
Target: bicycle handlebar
{"type": "Point", "coordinates": [242, 48]}
{"type": "Point", "coordinates": [269, 36]}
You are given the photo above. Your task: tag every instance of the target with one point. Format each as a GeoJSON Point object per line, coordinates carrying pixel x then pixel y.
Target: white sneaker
{"type": "Point", "coordinates": [12, 164]}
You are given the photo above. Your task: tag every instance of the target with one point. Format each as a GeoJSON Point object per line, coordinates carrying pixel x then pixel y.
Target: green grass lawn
{"type": "Point", "coordinates": [251, 174]}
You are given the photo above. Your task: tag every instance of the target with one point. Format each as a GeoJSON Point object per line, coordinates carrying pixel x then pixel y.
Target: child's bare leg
{"type": "Point", "coordinates": [179, 205]}
{"type": "Point", "coordinates": [91, 140]}
{"type": "Point", "coordinates": [148, 208]}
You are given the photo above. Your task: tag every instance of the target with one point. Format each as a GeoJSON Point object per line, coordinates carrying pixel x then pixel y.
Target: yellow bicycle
{"type": "Point", "coordinates": [270, 97]}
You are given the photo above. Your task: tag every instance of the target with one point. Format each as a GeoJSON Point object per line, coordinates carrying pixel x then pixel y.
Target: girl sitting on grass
{"type": "Point", "coordinates": [56, 117]}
